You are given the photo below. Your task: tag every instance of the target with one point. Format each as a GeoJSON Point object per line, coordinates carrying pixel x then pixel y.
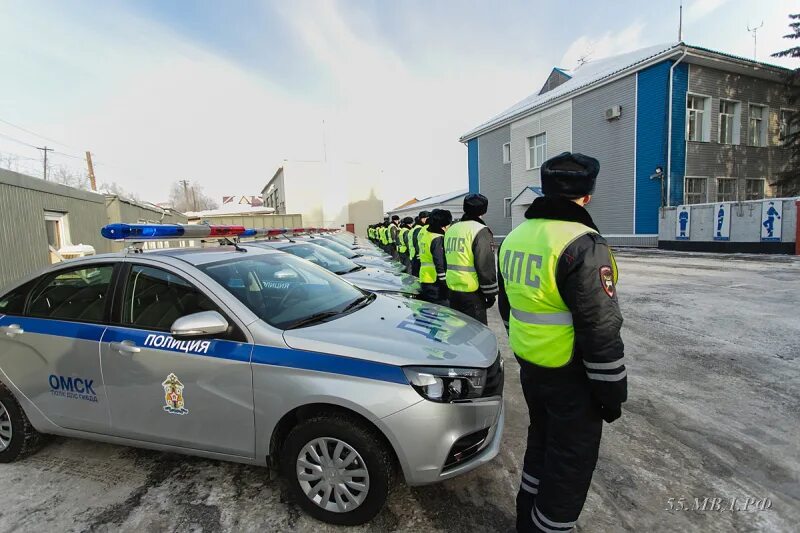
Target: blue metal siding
{"type": "Point", "coordinates": [651, 139]}
{"type": "Point", "coordinates": [472, 161]}
{"type": "Point", "coordinates": [680, 85]}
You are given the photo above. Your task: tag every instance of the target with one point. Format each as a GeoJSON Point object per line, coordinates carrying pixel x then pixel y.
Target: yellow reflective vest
{"type": "Point", "coordinates": [401, 238]}
{"type": "Point", "coordinates": [427, 270]}
{"type": "Point", "coordinates": [461, 274]}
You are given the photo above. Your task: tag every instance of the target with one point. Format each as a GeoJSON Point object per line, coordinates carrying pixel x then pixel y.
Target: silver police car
{"type": "Point", "coordinates": [367, 278]}
{"type": "Point", "coordinates": [255, 356]}
{"type": "Point", "coordinates": [357, 256]}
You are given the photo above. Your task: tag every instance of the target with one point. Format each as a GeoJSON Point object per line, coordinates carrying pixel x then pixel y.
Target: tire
{"type": "Point", "coordinates": [371, 454]}
{"type": "Point", "coordinates": [24, 440]}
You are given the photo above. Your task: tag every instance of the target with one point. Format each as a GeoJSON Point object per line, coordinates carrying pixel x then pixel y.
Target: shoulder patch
{"type": "Point", "coordinates": [607, 280]}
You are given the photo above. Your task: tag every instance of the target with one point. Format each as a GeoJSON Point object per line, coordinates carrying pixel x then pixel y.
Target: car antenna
{"type": "Point", "coordinates": [232, 242]}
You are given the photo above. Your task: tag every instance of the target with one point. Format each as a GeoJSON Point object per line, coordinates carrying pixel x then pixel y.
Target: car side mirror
{"type": "Point", "coordinates": [286, 275]}
{"type": "Point", "coordinates": [202, 324]}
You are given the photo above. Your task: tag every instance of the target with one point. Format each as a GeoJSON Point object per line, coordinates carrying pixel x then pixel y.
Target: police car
{"type": "Point", "coordinates": [249, 355]}
{"type": "Point", "coordinates": [357, 256]}
{"type": "Point", "coordinates": [367, 278]}
{"type": "Point", "coordinates": [354, 243]}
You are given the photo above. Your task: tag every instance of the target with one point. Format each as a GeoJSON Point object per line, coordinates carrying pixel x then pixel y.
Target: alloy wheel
{"type": "Point", "coordinates": [6, 431]}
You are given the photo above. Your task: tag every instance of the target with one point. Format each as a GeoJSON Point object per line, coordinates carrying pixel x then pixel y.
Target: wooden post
{"type": "Point", "coordinates": [90, 166]}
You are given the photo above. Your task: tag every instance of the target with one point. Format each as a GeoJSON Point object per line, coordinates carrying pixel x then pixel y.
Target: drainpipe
{"type": "Point", "coordinates": [797, 230]}
{"type": "Point", "coordinates": [669, 130]}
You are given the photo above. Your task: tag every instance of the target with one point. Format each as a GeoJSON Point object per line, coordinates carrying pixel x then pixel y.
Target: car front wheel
{"type": "Point", "coordinates": [338, 469]}
{"type": "Point", "coordinates": [17, 436]}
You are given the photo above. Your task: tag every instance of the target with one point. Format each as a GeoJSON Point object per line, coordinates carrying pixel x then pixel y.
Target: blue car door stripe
{"type": "Point", "coordinates": [59, 328]}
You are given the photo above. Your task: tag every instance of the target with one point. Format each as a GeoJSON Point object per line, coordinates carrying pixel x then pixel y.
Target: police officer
{"type": "Point", "coordinates": [415, 234]}
{"type": "Point", "coordinates": [383, 231]}
{"type": "Point", "coordinates": [432, 264]}
{"type": "Point", "coordinates": [394, 228]}
{"type": "Point", "coordinates": [558, 299]}
{"type": "Point", "coordinates": [402, 241]}
{"type": "Point", "coordinates": [471, 269]}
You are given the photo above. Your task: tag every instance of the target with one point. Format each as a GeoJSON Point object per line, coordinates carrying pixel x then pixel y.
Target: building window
{"type": "Point", "coordinates": [789, 125]}
{"type": "Point", "coordinates": [726, 189]}
{"type": "Point", "coordinates": [507, 207]}
{"type": "Point", "coordinates": [757, 131]}
{"type": "Point", "coordinates": [697, 123]}
{"type": "Point", "coordinates": [696, 191]}
{"type": "Point", "coordinates": [754, 189]}
{"type": "Point", "coordinates": [537, 150]}
{"type": "Point", "coordinates": [57, 230]}
{"type": "Point", "coordinates": [506, 153]}
{"type": "Point", "coordinates": [729, 120]}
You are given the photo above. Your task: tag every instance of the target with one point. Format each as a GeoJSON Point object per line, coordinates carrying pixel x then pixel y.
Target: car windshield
{"type": "Point", "coordinates": [336, 247]}
{"type": "Point", "coordinates": [327, 259]}
{"type": "Point", "coordinates": [285, 291]}
{"type": "Point", "coordinates": [344, 241]}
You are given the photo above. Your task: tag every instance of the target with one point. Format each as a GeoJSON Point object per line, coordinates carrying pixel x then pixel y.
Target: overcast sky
{"type": "Point", "coordinates": [221, 92]}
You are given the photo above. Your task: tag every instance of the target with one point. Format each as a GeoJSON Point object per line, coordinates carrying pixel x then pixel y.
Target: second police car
{"type": "Point", "coordinates": [249, 355]}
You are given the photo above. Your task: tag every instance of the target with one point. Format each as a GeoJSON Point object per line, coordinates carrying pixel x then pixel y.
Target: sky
{"type": "Point", "coordinates": [220, 93]}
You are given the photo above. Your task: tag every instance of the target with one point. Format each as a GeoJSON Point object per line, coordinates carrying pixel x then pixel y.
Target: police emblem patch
{"type": "Point", "coordinates": [173, 395]}
{"type": "Point", "coordinates": [607, 280]}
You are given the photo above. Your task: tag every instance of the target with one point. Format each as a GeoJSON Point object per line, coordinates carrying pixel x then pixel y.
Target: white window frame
{"type": "Point", "coordinates": [763, 181]}
{"type": "Point", "coordinates": [727, 179]}
{"type": "Point", "coordinates": [530, 143]}
{"type": "Point", "coordinates": [62, 225]}
{"type": "Point", "coordinates": [507, 207]}
{"type": "Point", "coordinates": [705, 117]}
{"type": "Point", "coordinates": [781, 135]}
{"type": "Point", "coordinates": [686, 189]}
{"type": "Point", "coordinates": [737, 122]}
{"type": "Point", "coordinates": [507, 153]}
{"type": "Point", "coordinates": [764, 125]}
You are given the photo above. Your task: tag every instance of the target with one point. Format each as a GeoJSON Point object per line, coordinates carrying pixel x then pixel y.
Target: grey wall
{"type": "Point", "coordinates": [713, 160]}
{"type": "Point", "coordinates": [613, 143]}
{"type": "Point", "coordinates": [745, 222]}
{"type": "Point", "coordinates": [23, 240]}
{"type": "Point", "coordinates": [494, 178]}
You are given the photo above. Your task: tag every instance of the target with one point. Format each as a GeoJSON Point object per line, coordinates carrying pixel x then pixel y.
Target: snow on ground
{"type": "Point", "coordinates": [713, 346]}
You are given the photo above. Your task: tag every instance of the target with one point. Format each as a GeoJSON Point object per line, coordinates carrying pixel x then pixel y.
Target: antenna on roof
{"type": "Point", "coordinates": [754, 31]}
{"type": "Point", "coordinates": [680, 23]}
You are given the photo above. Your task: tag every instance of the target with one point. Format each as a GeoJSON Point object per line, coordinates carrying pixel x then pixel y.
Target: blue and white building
{"type": "Point", "coordinates": [711, 122]}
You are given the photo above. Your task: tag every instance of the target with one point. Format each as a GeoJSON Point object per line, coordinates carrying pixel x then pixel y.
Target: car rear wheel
{"type": "Point", "coordinates": [17, 436]}
{"type": "Point", "coordinates": [338, 469]}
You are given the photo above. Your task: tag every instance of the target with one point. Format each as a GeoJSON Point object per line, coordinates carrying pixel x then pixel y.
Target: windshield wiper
{"type": "Point", "coordinates": [358, 302]}
{"type": "Point", "coordinates": [356, 269]}
{"type": "Point", "coordinates": [312, 319]}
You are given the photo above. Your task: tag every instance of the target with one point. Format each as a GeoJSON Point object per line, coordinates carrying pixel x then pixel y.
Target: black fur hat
{"type": "Point", "coordinates": [569, 175]}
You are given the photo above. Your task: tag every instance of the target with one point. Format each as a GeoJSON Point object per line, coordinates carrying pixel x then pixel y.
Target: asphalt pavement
{"type": "Point", "coordinates": [713, 351]}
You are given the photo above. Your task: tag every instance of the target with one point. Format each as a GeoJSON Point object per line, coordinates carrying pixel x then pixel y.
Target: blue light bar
{"type": "Point", "coordinates": [142, 231]}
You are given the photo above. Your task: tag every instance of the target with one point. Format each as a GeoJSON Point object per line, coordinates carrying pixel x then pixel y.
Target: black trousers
{"type": "Point", "coordinates": [415, 267]}
{"type": "Point", "coordinates": [470, 303]}
{"type": "Point", "coordinates": [563, 443]}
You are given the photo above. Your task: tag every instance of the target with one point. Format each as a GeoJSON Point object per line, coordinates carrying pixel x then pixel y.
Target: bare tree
{"type": "Point", "coordinates": [65, 176]}
{"type": "Point", "coordinates": [187, 196]}
{"type": "Point", "coordinates": [789, 181]}
{"type": "Point", "coordinates": [117, 190]}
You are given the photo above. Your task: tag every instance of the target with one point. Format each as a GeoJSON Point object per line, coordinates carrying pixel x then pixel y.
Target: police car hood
{"type": "Point", "coordinates": [400, 331]}
{"type": "Point", "coordinates": [373, 279]}
{"type": "Point", "coordinates": [376, 262]}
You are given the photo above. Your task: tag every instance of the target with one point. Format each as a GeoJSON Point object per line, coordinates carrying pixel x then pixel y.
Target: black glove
{"type": "Point", "coordinates": [490, 300]}
{"type": "Point", "coordinates": [610, 413]}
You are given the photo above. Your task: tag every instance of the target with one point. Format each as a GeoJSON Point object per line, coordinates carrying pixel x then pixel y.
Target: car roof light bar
{"type": "Point", "coordinates": [142, 232]}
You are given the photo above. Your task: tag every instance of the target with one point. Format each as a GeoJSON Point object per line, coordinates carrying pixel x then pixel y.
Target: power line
{"type": "Point", "coordinates": [36, 134]}
{"type": "Point", "coordinates": [17, 140]}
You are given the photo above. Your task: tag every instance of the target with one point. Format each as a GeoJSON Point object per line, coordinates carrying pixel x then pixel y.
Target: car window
{"type": "Point", "coordinates": [323, 257]}
{"type": "Point", "coordinates": [79, 294]}
{"type": "Point", "coordinates": [336, 247]}
{"type": "Point", "coordinates": [283, 290]}
{"type": "Point", "coordinates": [155, 298]}
{"type": "Point", "coordinates": [13, 303]}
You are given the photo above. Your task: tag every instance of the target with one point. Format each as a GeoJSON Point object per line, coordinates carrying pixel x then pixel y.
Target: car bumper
{"type": "Point", "coordinates": [426, 434]}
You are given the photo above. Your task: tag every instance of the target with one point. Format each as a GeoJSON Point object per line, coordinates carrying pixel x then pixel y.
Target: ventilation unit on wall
{"type": "Point", "coordinates": [614, 112]}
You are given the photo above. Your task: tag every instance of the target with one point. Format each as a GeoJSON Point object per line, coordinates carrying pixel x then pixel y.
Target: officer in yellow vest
{"type": "Point", "coordinates": [402, 241]}
{"type": "Point", "coordinates": [432, 263]}
{"type": "Point", "coordinates": [383, 233]}
{"type": "Point", "coordinates": [558, 299]}
{"type": "Point", "coordinates": [415, 233]}
{"type": "Point", "coordinates": [471, 268]}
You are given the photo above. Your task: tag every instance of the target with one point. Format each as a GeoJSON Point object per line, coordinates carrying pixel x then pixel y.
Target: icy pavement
{"type": "Point", "coordinates": [712, 346]}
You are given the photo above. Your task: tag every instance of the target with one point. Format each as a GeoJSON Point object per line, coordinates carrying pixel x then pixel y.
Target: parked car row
{"type": "Point", "coordinates": [261, 353]}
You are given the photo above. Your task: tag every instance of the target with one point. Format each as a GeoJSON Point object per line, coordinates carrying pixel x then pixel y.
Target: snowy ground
{"type": "Point", "coordinates": [713, 345]}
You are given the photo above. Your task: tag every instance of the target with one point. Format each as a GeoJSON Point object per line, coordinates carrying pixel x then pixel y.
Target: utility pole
{"type": "Point", "coordinates": [45, 149]}
{"type": "Point", "coordinates": [90, 167]}
{"type": "Point", "coordinates": [185, 190]}
{"type": "Point", "coordinates": [754, 31]}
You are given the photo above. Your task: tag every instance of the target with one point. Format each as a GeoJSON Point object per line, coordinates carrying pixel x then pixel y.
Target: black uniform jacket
{"type": "Point", "coordinates": [585, 283]}
{"type": "Point", "coordinates": [485, 265]}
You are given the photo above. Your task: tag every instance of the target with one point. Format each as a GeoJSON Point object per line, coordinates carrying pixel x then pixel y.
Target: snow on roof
{"type": "Point", "coordinates": [433, 200]}
{"type": "Point", "coordinates": [231, 209]}
{"type": "Point", "coordinates": [588, 74]}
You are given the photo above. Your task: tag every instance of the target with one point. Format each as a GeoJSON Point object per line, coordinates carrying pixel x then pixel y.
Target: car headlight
{"type": "Point", "coordinates": [446, 384]}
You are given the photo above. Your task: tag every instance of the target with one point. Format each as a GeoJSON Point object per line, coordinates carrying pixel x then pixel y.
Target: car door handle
{"type": "Point", "coordinates": [12, 329]}
{"type": "Point", "coordinates": [125, 347]}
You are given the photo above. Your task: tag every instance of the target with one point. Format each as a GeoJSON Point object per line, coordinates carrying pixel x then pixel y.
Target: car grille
{"type": "Point", "coordinates": [494, 378]}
